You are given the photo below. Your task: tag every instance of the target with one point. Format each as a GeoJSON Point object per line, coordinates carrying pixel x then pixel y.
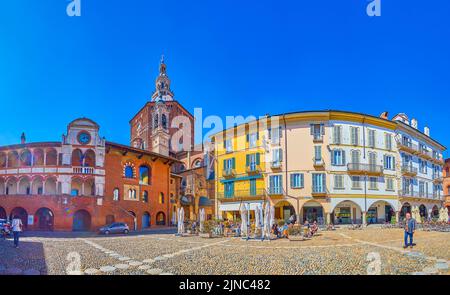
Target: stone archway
{"type": "Point", "coordinates": [346, 212]}
{"type": "Point", "coordinates": [435, 212]}
{"type": "Point", "coordinates": [160, 218]}
{"type": "Point", "coordinates": [313, 211]}
{"type": "Point", "coordinates": [81, 221]}
{"type": "Point", "coordinates": [423, 212]}
{"type": "Point", "coordinates": [406, 208]}
{"type": "Point", "coordinates": [21, 213]}
{"type": "Point", "coordinates": [44, 219]}
{"type": "Point", "coordinates": [284, 210]}
{"type": "Point", "coordinates": [380, 212]}
{"type": "Point", "coordinates": [3, 214]}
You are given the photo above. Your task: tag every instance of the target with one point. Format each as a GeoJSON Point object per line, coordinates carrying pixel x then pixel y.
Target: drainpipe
{"type": "Point", "coordinates": [363, 221]}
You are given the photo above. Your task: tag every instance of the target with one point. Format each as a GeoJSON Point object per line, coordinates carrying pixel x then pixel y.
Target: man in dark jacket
{"type": "Point", "coordinates": [410, 228]}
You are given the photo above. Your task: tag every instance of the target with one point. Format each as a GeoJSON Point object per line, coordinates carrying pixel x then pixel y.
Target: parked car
{"type": "Point", "coordinates": [115, 228]}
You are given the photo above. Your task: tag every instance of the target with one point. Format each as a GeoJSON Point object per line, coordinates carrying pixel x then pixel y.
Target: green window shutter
{"type": "Point", "coordinates": [247, 162]}
{"type": "Point", "coordinates": [233, 162]}
{"type": "Point", "coordinates": [302, 180]}
{"type": "Point", "coordinates": [270, 133]}
{"type": "Point", "coordinates": [292, 180]}
{"type": "Point", "coordinates": [343, 158]}
{"type": "Point", "coordinates": [311, 129]}
{"type": "Point", "coordinates": [393, 163]}
{"type": "Point", "coordinates": [281, 132]}
{"type": "Point", "coordinates": [247, 137]}
{"type": "Point", "coordinates": [224, 164]}
{"type": "Point", "coordinates": [258, 159]}
{"type": "Point", "coordinates": [257, 135]}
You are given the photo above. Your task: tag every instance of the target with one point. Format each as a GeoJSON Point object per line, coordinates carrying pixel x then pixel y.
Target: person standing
{"type": "Point", "coordinates": [17, 226]}
{"type": "Point", "coordinates": [410, 228]}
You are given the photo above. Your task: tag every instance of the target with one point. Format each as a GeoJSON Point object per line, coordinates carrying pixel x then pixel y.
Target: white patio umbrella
{"type": "Point", "coordinates": [272, 216]}
{"type": "Point", "coordinates": [202, 219]}
{"type": "Point", "coordinates": [267, 227]}
{"type": "Point", "coordinates": [174, 217]}
{"type": "Point", "coordinates": [244, 216]}
{"type": "Point", "coordinates": [257, 217]}
{"type": "Point", "coordinates": [181, 220]}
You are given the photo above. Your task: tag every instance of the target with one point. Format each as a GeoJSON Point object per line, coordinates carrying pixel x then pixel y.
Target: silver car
{"type": "Point", "coordinates": [115, 228]}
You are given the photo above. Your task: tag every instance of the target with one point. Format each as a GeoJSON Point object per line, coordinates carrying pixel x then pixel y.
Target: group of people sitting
{"type": "Point", "coordinates": [309, 229]}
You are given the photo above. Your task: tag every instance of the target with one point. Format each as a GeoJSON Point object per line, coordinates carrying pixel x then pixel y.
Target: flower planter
{"type": "Point", "coordinates": [205, 235]}
{"type": "Point", "coordinates": [295, 238]}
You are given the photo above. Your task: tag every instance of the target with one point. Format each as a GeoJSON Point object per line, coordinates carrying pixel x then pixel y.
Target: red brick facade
{"type": "Point", "coordinates": [64, 212]}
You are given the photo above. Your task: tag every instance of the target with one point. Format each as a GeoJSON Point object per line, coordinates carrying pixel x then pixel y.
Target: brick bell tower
{"type": "Point", "coordinates": [151, 127]}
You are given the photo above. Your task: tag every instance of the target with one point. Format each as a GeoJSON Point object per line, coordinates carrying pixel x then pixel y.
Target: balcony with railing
{"type": "Point", "coordinates": [409, 170]}
{"type": "Point", "coordinates": [437, 178]}
{"type": "Point", "coordinates": [318, 163]}
{"type": "Point", "coordinates": [319, 191]}
{"type": "Point", "coordinates": [228, 173]}
{"type": "Point", "coordinates": [317, 137]}
{"type": "Point", "coordinates": [275, 191]}
{"type": "Point", "coordinates": [83, 170]}
{"type": "Point", "coordinates": [238, 195]}
{"type": "Point", "coordinates": [407, 193]}
{"type": "Point", "coordinates": [425, 153]}
{"type": "Point", "coordinates": [408, 146]}
{"type": "Point", "coordinates": [275, 165]}
{"type": "Point", "coordinates": [366, 169]}
{"type": "Point", "coordinates": [253, 169]}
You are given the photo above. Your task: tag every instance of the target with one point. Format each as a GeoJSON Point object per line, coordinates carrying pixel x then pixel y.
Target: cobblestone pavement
{"type": "Point", "coordinates": [339, 252]}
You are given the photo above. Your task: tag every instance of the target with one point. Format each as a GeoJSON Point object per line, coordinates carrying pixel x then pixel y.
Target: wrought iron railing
{"type": "Point", "coordinates": [369, 168]}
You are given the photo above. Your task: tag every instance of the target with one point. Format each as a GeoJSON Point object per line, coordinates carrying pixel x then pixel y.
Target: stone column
{"type": "Point", "coordinates": [364, 221]}
{"type": "Point", "coordinates": [397, 216]}
{"type": "Point", "coordinates": [328, 218]}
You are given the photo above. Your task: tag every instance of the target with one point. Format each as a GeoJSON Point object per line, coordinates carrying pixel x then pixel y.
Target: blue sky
{"type": "Point", "coordinates": [229, 57]}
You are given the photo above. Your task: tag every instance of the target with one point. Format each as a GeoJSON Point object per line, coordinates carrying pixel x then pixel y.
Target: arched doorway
{"type": "Point", "coordinates": [21, 214]}
{"type": "Point", "coordinates": [347, 212]}
{"type": "Point", "coordinates": [406, 208]}
{"type": "Point", "coordinates": [435, 212]}
{"type": "Point", "coordinates": [81, 221]}
{"type": "Point", "coordinates": [134, 221]}
{"type": "Point", "coordinates": [380, 212]}
{"type": "Point", "coordinates": [145, 220]}
{"type": "Point", "coordinates": [160, 218]}
{"type": "Point", "coordinates": [313, 211]}
{"type": "Point", "coordinates": [284, 210]}
{"type": "Point", "coordinates": [3, 213]}
{"type": "Point", "coordinates": [423, 212]}
{"type": "Point", "coordinates": [44, 219]}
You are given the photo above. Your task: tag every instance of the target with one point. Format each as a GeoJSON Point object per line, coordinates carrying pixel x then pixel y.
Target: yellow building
{"type": "Point", "coordinates": [329, 166]}
{"type": "Point", "coordinates": [239, 169]}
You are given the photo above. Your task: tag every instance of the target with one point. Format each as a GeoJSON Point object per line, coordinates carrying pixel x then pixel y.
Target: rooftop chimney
{"type": "Point", "coordinates": [426, 130]}
{"type": "Point", "coordinates": [23, 138]}
{"type": "Point", "coordinates": [414, 123]}
{"type": "Point", "coordinates": [384, 115]}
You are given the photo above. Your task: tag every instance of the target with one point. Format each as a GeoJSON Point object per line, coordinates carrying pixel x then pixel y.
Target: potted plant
{"type": "Point", "coordinates": [208, 226]}
{"type": "Point", "coordinates": [295, 233]}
